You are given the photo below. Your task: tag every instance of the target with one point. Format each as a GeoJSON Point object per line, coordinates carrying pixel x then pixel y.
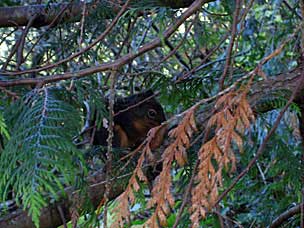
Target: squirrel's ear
{"type": "Point", "coordinates": [122, 103]}
{"type": "Point", "coordinates": [143, 95]}
{"type": "Point", "coordinates": [148, 93]}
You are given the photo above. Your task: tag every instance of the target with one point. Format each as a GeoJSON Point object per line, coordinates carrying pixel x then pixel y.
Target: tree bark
{"type": "Point", "coordinates": [50, 216]}
{"type": "Point", "coordinates": [68, 12]}
{"type": "Point", "coordinates": [286, 215]}
{"type": "Point", "coordinates": [45, 14]}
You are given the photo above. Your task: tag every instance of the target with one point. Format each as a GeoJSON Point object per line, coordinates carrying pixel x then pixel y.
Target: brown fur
{"type": "Point", "coordinates": [123, 138]}
{"type": "Point", "coordinates": [133, 121]}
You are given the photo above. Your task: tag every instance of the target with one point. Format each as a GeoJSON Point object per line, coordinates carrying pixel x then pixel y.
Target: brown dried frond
{"type": "Point", "coordinates": [182, 135]}
{"type": "Point", "coordinates": [233, 117]}
{"type": "Point", "coordinates": [127, 198]}
{"type": "Point", "coordinates": [205, 189]}
{"type": "Point", "coordinates": [161, 194]}
{"type": "Point", "coordinates": [74, 216]}
{"type": "Point", "coordinates": [162, 197]}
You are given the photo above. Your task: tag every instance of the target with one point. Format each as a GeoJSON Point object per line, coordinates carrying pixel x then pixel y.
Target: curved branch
{"type": "Point", "coordinates": [286, 215]}
{"type": "Point", "coordinates": [20, 15]}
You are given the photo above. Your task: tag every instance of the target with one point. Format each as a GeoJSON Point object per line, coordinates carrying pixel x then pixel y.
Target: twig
{"type": "Point", "coordinates": [246, 11]}
{"type": "Point", "coordinates": [19, 43]}
{"type": "Point", "coordinates": [216, 14]}
{"type": "Point", "coordinates": [231, 43]}
{"type": "Point", "coordinates": [261, 172]}
{"type": "Point", "coordinates": [137, 104]}
{"type": "Point", "coordinates": [292, 9]}
{"type": "Point", "coordinates": [200, 67]}
{"type": "Point", "coordinates": [127, 40]}
{"type": "Point", "coordinates": [7, 35]}
{"type": "Point", "coordinates": [144, 35]}
{"type": "Point", "coordinates": [283, 44]}
{"type": "Point", "coordinates": [229, 219]}
{"type": "Point", "coordinates": [302, 206]}
{"type": "Point", "coordinates": [20, 57]}
{"type": "Point", "coordinates": [174, 49]}
{"type": "Point", "coordinates": [56, 19]}
{"type": "Point", "coordinates": [253, 222]}
{"type": "Point", "coordinates": [194, 70]}
{"type": "Point", "coordinates": [82, 23]}
{"type": "Point", "coordinates": [59, 208]}
{"type": "Point", "coordinates": [301, 58]}
{"type": "Point", "coordinates": [220, 216]}
{"type": "Point", "coordinates": [302, 32]}
{"type": "Point", "coordinates": [10, 93]}
{"type": "Point", "coordinates": [110, 144]}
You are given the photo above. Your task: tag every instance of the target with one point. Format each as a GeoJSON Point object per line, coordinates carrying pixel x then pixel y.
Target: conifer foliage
{"type": "Point", "coordinates": [233, 117]}
{"type": "Point", "coordinates": [162, 198]}
{"type": "Point", "coordinates": [37, 158]}
{"type": "Point", "coordinates": [3, 127]}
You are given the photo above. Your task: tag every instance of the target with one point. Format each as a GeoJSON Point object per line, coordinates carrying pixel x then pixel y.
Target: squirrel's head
{"type": "Point", "coordinates": [136, 115]}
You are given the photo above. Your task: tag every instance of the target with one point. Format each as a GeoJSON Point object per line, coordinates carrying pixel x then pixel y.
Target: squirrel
{"type": "Point", "coordinates": [134, 116]}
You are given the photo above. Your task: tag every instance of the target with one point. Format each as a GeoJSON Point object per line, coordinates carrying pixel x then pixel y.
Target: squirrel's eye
{"type": "Point", "coordinates": [151, 113]}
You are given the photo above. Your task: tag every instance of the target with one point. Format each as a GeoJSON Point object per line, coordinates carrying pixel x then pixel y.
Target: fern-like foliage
{"type": "Point", "coordinates": [276, 101]}
{"type": "Point", "coordinates": [3, 127]}
{"type": "Point", "coordinates": [40, 156]}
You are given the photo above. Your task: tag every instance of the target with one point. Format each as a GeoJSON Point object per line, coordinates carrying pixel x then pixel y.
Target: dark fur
{"type": "Point", "coordinates": [134, 122]}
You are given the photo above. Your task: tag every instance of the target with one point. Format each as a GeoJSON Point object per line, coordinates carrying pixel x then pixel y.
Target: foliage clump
{"type": "Point", "coordinates": [40, 156]}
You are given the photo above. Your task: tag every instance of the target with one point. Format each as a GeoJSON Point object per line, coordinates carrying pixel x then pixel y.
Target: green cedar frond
{"type": "Point", "coordinates": [3, 127]}
{"type": "Point", "coordinates": [95, 100]}
{"type": "Point", "coordinates": [40, 158]}
{"type": "Point", "coordinates": [276, 101]}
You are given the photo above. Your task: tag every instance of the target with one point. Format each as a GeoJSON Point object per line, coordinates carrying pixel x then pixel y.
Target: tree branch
{"type": "Point", "coordinates": [21, 15]}
{"type": "Point", "coordinates": [286, 215]}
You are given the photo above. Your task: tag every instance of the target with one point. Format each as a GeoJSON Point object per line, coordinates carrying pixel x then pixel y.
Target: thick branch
{"type": "Point", "coordinates": [21, 15]}
{"type": "Point", "coordinates": [286, 215]}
